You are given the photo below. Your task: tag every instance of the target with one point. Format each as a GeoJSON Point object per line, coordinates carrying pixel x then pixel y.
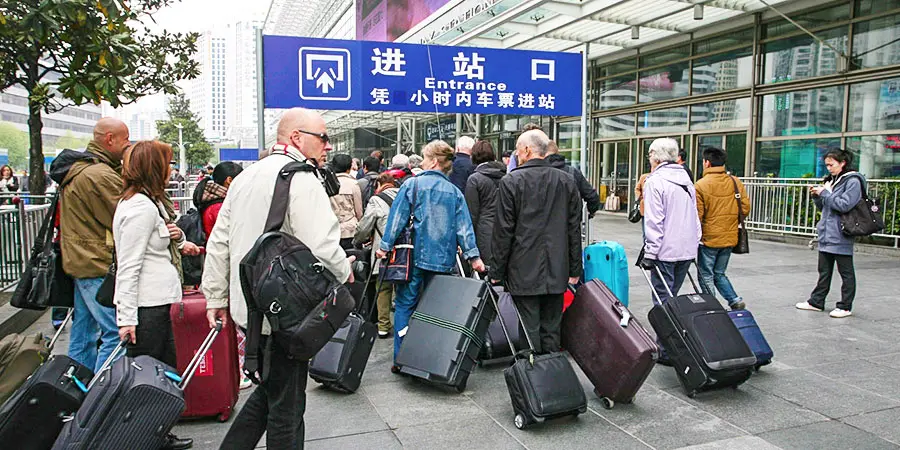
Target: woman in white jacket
{"type": "Point", "coordinates": [147, 282]}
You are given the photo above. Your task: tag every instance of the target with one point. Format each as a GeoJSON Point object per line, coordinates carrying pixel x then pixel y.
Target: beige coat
{"type": "Point", "coordinates": [347, 205]}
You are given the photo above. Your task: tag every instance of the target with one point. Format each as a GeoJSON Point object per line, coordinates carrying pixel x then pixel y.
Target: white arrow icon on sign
{"type": "Point", "coordinates": [324, 79]}
{"type": "Point", "coordinates": [325, 82]}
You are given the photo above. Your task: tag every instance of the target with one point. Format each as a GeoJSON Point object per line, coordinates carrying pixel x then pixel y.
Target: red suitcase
{"type": "Point", "coordinates": [214, 389]}
{"type": "Point", "coordinates": [611, 347]}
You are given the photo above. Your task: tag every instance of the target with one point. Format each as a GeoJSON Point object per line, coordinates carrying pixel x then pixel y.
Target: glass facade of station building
{"type": "Point", "coordinates": [772, 96]}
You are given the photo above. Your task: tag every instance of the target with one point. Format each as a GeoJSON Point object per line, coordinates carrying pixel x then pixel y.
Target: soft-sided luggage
{"type": "Point", "coordinates": [608, 343]}
{"type": "Point", "coordinates": [606, 261]}
{"type": "Point", "coordinates": [446, 332]}
{"type": "Point", "coordinates": [132, 403]}
{"type": "Point", "coordinates": [703, 344]}
{"type": "Point", "coordinates": [341, 362]}
{"type": "Point", "coordinates": [54, 391]}
{"type": "Point", "coordinates": [541, 387]}
{"type": "Point", "coordinates": [495, 345]}
{"type": "Point", "coordinates": [214, 391]}
{"type": "Point", "coordinates": [746, 324]}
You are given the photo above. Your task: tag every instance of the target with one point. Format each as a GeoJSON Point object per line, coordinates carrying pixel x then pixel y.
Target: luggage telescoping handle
{"type": "Point", "coordinates": [108, 363]}
{"type": "Point", "coordinates": [201, 353]}
{"type": "Point", "coordinates": [60, 329]}
{"type": "Point", "coordinates": [495, 299]}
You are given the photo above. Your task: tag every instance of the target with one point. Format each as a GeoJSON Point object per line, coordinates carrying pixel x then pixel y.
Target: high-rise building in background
{"type": "Point", "coordinates": [75, 121]}
{"type": "Point", "coordinates": [242, 100]}
{"type": "Point", "coordinates": [209, 91]}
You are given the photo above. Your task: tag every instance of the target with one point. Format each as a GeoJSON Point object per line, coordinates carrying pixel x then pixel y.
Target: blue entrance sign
{"type": "Point", "coordinates": [380, 76]}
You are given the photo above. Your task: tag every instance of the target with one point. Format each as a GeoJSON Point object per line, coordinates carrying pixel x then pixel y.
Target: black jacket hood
{"type": "Point", "coordinates": [556, 160]}
{"type": "Point", "coordinates": [492, 169]}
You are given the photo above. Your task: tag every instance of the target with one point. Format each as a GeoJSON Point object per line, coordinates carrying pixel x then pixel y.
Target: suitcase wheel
{"type": "Point", "coordinates": [461, 387]}
{"type": "Point", "coordinates": [607, 403]}
{"type": "Point", "coordinates": [223, 417]}
{"type": "Point", "coordinates": [521, 423]}
{"type": "Point", "coordinates": [691, 394]}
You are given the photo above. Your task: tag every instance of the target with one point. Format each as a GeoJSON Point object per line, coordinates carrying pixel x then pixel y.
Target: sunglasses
{"type": "Point", "coordinates": [322, 136]}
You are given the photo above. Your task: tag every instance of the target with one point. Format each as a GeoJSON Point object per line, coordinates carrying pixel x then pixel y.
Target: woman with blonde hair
{"type": "Point", "coordinates": [441, 222]}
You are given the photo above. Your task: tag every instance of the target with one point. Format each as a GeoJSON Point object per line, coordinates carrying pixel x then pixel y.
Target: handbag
{"type": "Point", "coordinates": [635, 216]}
{"type": "Point", "coordinates": [864, 219]}
{"type": "Point", "coordinates": [44, 283]}
{"type": "Point", "coordinates": [397, 267]}
{"type": "Point", "coordinates": [743, 244]}
{"type": "Point", "coordinates": [107, 291]}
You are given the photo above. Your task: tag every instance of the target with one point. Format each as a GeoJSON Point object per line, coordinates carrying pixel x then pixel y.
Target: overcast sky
{"type": "Point", "coordinates": [201, 15]}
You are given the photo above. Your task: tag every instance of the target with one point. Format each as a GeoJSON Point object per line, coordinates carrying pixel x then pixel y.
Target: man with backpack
{"type": "Point", "coordinates": [368, 183]}
{"type": "Point", "coordinates": [277, 405]}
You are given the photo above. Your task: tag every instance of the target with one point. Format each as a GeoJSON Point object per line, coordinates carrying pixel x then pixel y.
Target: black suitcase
{"type": "Point", "coordinates": [705, 347]}
{"type": "Point", "coordinates": [541, 387]}
{"type": "Point", "coordinates": [54, 391]}
{"type": "Point", "coordinates": [446, 332]}
{"type": "Point", "coordinates": [495, 344]}
{"type": "Point", "coordinates": [132, 403]}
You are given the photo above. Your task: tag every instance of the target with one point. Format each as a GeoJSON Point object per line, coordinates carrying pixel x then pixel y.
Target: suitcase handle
{"type": "Point", "coordinates": [108, 363]}
{"type": "Point", "coordinates": [60, 329]}
{"type": "Point", "coordinates": [494, 298]}
{"type": "Point", "coordinates": [195, 362]}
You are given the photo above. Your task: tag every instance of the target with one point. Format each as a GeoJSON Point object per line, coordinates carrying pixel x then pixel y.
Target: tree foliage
{"type": "Point", "coordinates": [71, 52]}
{"type": "Point", "coordinates": [16, 141]}
{"type": "Point", "coordinates": [198, 150]}
{"type": "Point", "coordinates": [71, 142]}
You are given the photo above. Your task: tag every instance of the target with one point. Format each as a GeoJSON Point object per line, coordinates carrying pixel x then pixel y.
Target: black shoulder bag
{"type": "Point", "coordinates": [864, 219]}
{"type": "Point", "coordinates": [398, 265]}
{"type": "Point", "coordinates": [44, 283]}
{"type": "Point", "coordinates": [743, 244]}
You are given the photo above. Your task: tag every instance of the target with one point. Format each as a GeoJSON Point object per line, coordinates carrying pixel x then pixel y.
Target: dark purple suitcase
{"type": "Point", "coordinates": [495, 345]}
{"type": "Point", "coordinates": [608, 343]}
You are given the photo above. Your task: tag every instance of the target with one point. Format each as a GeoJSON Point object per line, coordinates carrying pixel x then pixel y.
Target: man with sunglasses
{"type": "Point", "coordinates": [277, 405]}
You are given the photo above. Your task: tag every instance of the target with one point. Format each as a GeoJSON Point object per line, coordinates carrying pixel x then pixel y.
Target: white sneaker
{"type": "Point", "coordinates": [840, 313]}
{"type": "Point", "coordinates": [245, 383]}
{"type": "Point", "coordinates": [807, 307]}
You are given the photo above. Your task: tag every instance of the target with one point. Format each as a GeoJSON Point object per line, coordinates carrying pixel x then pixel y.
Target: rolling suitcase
{"type": "Point", "coordinates": [606, 261]}
{"type": "Point", "coordinates": [341, 362]}
{"type": "Point", "coordinates": [214, 391]}
{"type": "Point", "coordinates": [445, 333]}
{"type": "Point", "coordinates": [132, 404]}
{"type": "Point", "coordinates": [495, 345]}
{"type": "Point", "coordinates": [705, 347]}
{"type": "Point", "coordinates": [541, 387]}
{"type": "Point", "coordinates": [608, 343]}
{"type": "Point", "coordinates": [55, 390]}
{"type": "Point", "coordinates": [746, 324]}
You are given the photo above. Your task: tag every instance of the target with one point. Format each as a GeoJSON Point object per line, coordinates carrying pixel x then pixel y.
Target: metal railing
{"type": "Point", "coordinates": [785, 205]}
{"type": "Point", "coordinates": [19, 226]}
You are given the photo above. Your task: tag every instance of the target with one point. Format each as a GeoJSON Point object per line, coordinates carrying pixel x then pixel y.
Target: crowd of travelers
{"type": "Point", "coordinates": [518, 220]}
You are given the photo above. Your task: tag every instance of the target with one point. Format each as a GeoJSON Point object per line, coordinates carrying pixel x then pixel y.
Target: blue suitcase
{"type": "Point", "coordinates": [606, 261]}
{"type": "Point", "coordinates": [748, 327]}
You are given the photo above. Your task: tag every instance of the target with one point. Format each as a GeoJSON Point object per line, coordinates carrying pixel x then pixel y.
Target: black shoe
{"type": "Point", "coordinates": [738, 306]}
{"type": "Point", "coordinates": [384, 334]}
{"type": "Point", "coordinates": [175, 443]}
{"type": "Point", "coordinates": [665, 362]}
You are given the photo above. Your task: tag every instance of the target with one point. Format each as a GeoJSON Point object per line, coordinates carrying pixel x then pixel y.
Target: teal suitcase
{"type": "Point", "coordinates": [606, 261]}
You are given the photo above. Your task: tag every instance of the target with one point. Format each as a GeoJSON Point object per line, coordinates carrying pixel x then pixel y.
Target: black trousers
{"type": "Point", "coordinates": [276, 407]}
{"type": "Point", "coordinates": [826, 270]}
{"type": "Point", "coordinates": [541, 319]}
{"type": "Point", "coordinates": [154, 335]}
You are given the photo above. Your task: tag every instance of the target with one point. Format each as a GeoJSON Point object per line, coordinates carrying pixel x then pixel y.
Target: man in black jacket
{"type": "Point", "coordinates": [588, 194]}
{"type": "Point", "coordinates": [537, 239]}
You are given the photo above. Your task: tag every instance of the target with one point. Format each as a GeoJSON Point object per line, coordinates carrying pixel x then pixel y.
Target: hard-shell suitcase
{"type": "Point", "coordinates": [33, 416]}
{"type": "Point", "coordinates": [132, 403]}
{"type": "Point", "coordinates": [446, 332]}
{"type": "Point", "coordinates": [746, 324]}
{"type": "Point", "coordinates": [606, 261]}
{"type": "Point", "coordinates": [540, 387]}
{"type": "Point", "coordinates": [608, 343]}
{"type": "Point", "coordinates": [341, 362]}
{"type": "Point", "coordinates": [495, 345]}
{"type": "Point", "coordinates": [215, 388]}
{"type": "Point", "coordinates": [703, 344]}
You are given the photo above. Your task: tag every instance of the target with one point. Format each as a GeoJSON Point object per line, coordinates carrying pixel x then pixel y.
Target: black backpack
{"type": "Point", "coordinates": [191, 224]}
{"type": "Point", "coordinates": [282, 280]}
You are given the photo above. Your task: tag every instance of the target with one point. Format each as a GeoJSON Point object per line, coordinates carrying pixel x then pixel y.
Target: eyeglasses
{"type": "Point", "coordinates": [322, 136]}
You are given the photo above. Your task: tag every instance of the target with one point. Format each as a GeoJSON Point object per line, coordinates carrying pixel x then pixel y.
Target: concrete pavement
{"type": "Point", "coordinates": [834, 383]}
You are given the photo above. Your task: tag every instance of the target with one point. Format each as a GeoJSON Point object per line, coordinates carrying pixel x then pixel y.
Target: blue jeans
{"type": "Point", "coordinates": [711, 266]}
{"type": "Point", "coordinates": [91, 321]}
{"type": "Point", "coordinates": [407, 297]}
{"type": "Point", "coordinates": [673, 273]}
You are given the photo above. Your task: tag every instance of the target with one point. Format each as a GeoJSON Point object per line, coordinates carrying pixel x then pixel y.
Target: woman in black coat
{"type": "Point", "coordinates": [481, 195]}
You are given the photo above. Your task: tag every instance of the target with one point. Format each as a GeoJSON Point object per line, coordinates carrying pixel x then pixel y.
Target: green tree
{"type": "Point", "coordinates": [16, 141]}
{"type": "Point", "coordinates": [198, 150]}
{"type": "Point", "coordinates": [95, 51]}
{"type": "Point", "coordinates": [70, 141]}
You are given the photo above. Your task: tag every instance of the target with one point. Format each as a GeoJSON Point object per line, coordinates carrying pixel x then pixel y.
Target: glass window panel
{"type": "Point", "coordinates": [665, 83]}
{"type": "Point", "coordinates": [615, 92]}
{"type": "Point", "coordinates": [876, 156]}
{"type": "Point", "coordinates": [740, 37]}
{"type": "Point", "coordinates": [662, 57]}
{"type": "Point", "coordinates": [663, 121]}
{"type": "Point", "coordinates": [876, 43]}
{"type": "Point", "coordinates": [875, 105]}
{"type": "Point", "coordinates": [622, 125]}
{"type": "Point", "coordinates": [801, 158]}
{"type": "Point", "coordinates": [736, 153]}
{"type": "Point", "coordinates": [803, 112]}
{"type": "Point", "coordinates": [511, 123]}
{"type": "Point", "coordinates": [719, 115]}
{"type": "Point", "coordinates": [868, 7]}
{"type": "Point", "coordinates": [802, 56]}
{"type": "Point", "coordinates": [615, 68]}
{"type": "Point", "coordinates": [723, 72]}
{"type": "Point", "coordinates": [569, 142]}
{"type": "Point", "coordinates": [810, 19]}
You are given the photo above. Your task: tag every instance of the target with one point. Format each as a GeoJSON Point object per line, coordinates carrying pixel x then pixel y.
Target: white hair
{"type": "Point", "coordinates": [465, 144]}
{"type": "Point", "coordinates": [415, 161]}
{"type": "Point", "coordinates": [400, 161]}
{"type": "Point", "coordinates": [537, 140]}
{"type": "Point", "coordinates": [664, 150]}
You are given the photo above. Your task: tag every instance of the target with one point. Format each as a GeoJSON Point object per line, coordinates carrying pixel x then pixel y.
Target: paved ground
{"type": "Point", "coordinates": [834, 384]}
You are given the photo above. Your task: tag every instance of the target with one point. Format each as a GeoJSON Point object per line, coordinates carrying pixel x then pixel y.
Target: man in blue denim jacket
{"type": "Point", "coordinates": [441, 222]}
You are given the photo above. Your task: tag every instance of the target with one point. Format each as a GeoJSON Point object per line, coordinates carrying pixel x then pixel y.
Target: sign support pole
{"type": "Point", "coordinates": [585, 115]}
{"type": "Point", "coordinates": [260, 96]}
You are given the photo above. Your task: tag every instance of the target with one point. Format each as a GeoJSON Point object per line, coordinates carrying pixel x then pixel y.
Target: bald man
{"type": "Point", "coordinates": [462, 163]}
{"type": "Point", "coordinates": [277, 405]}
{"type": "Point", "coordinates": [537, 239]}
{"type": "Point", "coordinates": [89, 193]}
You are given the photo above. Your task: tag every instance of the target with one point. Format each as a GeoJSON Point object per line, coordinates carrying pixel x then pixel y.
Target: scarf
{"type": "Point", "coordinates": [168, 207]}
{"type": "Point", "coordinates": [212, 192]}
